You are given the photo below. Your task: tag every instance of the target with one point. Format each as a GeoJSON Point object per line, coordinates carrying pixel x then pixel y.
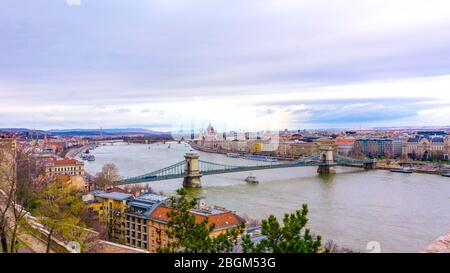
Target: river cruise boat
{"type": "Point", "coordinates": [446, 174]}
{"type": "Point", "coordinates": [234, 155]}
{"type": "Point", "coordinates": [260, 158]}
{"type": "Point", "coordinates": [88, 157]}
{"type": "Point", "coordinates": [251, 179]}
{"type": "Point", "coordinates": [402, 170]}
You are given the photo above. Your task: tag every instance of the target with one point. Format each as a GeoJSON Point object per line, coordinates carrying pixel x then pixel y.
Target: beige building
{"type": "Point", "coordinates": [425, 148]}
{"type": "Point", "coordinates": [297, 149]}
{"type": "Point", "coordinates": [64, 166]}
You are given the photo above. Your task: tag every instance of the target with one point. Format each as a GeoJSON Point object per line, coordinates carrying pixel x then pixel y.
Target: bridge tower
{"type": "Point", "coordinates": [192, 171]}
{"type": "Point", "coordinates": [327, 163]}
{"type": "Point", "coordinates": [370, 165]}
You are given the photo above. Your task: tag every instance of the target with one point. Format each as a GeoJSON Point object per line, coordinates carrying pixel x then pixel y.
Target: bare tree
{"type": "Point", "coordinates": [107, 177]}
{"type": "Point", "coordinates": [137, 188]}
{"type": "Point", "coordinates": [331, 247]}
{"type": "Point", "coordinates": [23, 196]}
{"type": "Point", "coordinates": [7, 188]}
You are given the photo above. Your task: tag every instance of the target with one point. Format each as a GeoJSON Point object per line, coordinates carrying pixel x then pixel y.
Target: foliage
{"type": "Point", "coordinates": [187, 235]}
{"type": "Point", "coordinates": [59, 209]}
{"type": "Point", "coordinates": [291, 237]}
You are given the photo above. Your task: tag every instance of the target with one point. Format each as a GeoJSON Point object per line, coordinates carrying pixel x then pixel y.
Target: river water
{"type": "Point", "coordinates": [400, 212]}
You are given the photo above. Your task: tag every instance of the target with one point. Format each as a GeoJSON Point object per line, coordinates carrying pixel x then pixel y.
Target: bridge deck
{"type": "Point", "coordinates": [211, 168]}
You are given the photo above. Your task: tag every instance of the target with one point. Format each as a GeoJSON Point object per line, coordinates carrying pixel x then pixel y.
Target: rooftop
{"type": "Point", "coordinates": [115, 195]}
{"type": "Point", "coordinates": [344, 141]}
{"type": "Point", "coordinates": [116, 189]}
{"type": "Point", "coordinates": [64, 161]}
{"type": "Point", "coordinates": [220, 220]}
{"type": "Point", "coordinates": [152, 197]}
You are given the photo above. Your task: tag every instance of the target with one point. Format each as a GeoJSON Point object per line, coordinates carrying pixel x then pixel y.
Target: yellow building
{"type": "Point", "coordinates": [111, 208]}
{"type": "Point", "coordinates": [257, 147]}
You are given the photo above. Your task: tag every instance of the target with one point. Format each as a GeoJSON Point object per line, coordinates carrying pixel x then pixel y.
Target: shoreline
{"type": "Point", "coordinates": [415, 170]}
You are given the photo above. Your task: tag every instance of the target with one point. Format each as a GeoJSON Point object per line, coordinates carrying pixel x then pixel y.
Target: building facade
{"type": "Point", "coordinates": [137, 219]}
{"type": "Point", "coordinates": [64, 166]}
{"type": "Point", "coordinates": [110, 208]}
{"type": "Point", "coordinates": [374, 147]}
{"type": "Point", "coordinates": [344, 145]}
{"type": "Point", "coordinates": [427, 148]}
{"type": "Point", "coordinates": [147, 217]}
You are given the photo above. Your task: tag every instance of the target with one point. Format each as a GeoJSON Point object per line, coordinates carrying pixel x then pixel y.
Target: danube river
{"type": "Point", "coordinates": [401, 212]}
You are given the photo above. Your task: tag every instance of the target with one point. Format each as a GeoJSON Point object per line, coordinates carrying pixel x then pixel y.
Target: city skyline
{"type": "Point", "coordinates": [165, 65]}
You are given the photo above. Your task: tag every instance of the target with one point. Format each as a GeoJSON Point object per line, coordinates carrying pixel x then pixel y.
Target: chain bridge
{"type": "Point", "coordinates": [192, 168]}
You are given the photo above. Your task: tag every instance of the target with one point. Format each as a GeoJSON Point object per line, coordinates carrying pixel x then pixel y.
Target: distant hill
{"type": "Point", "coordinates": [89, 132]}
{"type": "Point", "coordinates": [95, 132]}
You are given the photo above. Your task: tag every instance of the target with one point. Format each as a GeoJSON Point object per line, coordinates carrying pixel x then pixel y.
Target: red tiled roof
{"type": "Point", "coordinates": [116, 189]}
{"type": "Point", "coordinates": [64, 161]}
{"type": "Point", "coordinates": [220, 220]}
{"type": "Point", "coordinates": [344, 141]}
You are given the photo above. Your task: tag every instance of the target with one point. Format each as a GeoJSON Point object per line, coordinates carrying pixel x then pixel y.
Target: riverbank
{"type": "Point", "coordinates": [224, 152]}
{"type": "Point", "coordinates": [74, 152]}
{"type": "Point", "coordinates": [381, 165]}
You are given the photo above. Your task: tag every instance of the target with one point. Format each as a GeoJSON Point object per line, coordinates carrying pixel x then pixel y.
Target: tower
{"type": "Point", "coordinates": [326, 165]}
{"type": "Point", "coordinates": [192, 171]}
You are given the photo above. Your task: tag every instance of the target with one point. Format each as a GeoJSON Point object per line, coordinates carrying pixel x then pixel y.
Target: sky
{"type": "Point", "coordinates": [239, 64]}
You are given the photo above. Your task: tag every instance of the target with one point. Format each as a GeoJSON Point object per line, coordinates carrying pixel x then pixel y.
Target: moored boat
{"type": "Point", "coordinates": [234, 155]}
{"type": "Point", "coordinates": [260, 158]}
{"type": "Point", "coordinates": [251, 179]}
{"type": "Point", "coordinates": [446, 174]}
{"type": "Point", "coordinates": [88, 157]}
{"type": "Point", "coordinates": [402, 170]}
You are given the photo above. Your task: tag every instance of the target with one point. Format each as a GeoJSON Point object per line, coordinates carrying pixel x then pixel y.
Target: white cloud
{"type": "Point", "coordinates": [165, 63]}
{"type": "Point", "coordinates": [73, 2]}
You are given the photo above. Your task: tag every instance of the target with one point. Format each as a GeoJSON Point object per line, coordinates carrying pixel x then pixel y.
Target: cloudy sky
{"type": "Point", "coordinates": [264, 64]}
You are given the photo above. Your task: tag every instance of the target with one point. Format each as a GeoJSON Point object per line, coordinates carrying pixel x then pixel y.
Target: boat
{"type": "Point", "coordinates": [88, 157]}
{"type": "Point", "coordinates": [446, 174]}
{"type": "Point", "coordinates": [251, 179]}
{"type": "Point", "coordinates": [260, 158]}
{"type": "Point", "coordinates": [402, 170]}
{"type": "Point", "coordinates": [234, 155]}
